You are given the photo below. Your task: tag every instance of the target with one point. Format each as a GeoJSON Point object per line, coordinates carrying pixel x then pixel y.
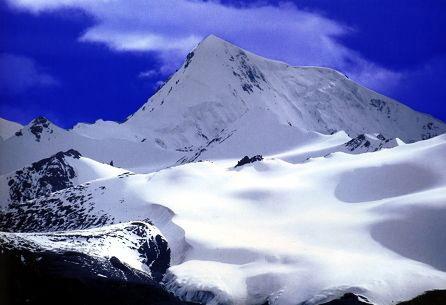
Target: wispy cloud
{"type": "Point", "coordinates": [19, 74]}
{"type": "Point", "coordinates": [148, 74]}
{"type": "Point", "coordinates": [173, 27]}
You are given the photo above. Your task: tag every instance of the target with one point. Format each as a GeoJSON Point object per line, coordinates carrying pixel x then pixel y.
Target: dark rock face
{"type": "Point", "coordinates": [38, 125]}
{"type": "Point", "coordinates": [39, 276]}
{"type": "Point", "coordinates": [349, 299]}
{"type": "Point", "coordinates": [68, 209]}
{"type": "Point", "coordinates": [249, 75]}
{"type": "Point", "coordinates": [363, 144]}
{"type": "Point", "coordinates": [360, 140]}
{"type": "Point", "coordinates": [430, 130]}
{"type": "Point", "coordinates": [247, 160]}
{"type": "Point", "coordinates": [42, 177]}
{"type": "Point", "coordinates": [188, 59]}
{"type": "Point", "coordinates": [433, 297]}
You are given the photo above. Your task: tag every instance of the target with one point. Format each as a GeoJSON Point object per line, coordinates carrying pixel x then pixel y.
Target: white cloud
{"type": "Point", "coordinates": [174, 27]}
{"type": "Point", "coordinates": [20, 73]}
{"type": "Point", "coordinates": [148, 74]}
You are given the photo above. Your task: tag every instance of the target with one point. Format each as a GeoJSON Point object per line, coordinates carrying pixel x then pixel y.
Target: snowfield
{"type": "Point", "coordinates": [370, 224]}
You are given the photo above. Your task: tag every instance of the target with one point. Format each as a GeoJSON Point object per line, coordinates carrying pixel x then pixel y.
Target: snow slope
{"type": "Point", "coordinates": [275, 231]}
{"type": "Point", "coordinates": [8, 128]}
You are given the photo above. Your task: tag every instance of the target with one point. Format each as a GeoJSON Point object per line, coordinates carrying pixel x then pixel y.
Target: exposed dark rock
{"type": "Point", "coordinates": [42, 177]}
{"type": "Point", "coordinates": [188, 59]}
{"type": "Point", "coordinates": [247, 160]}
{"type": "Point", "coordinates": [52, 277]}
{"type": "Point", "coordinates": [68, 209]}
{"type": "Point", "coordinates": [356, 142]}
{"type": "Point", "coordinates": [250, 76]}
{"type": "Point", "coordinates": [349, 299]}
{"type": "Point", "coordinates": [38, 125]}
{"type": "Point", "coordinates": [362, 143]}
{"type": "Point", "coordinates": [433, 297]}
{"type": "Point", "coordinates": [430, 131]}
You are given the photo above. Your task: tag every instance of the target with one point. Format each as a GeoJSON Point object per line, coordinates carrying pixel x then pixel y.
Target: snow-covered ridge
{"type": "Point", "coordinates": [42, 138]}
{"type": "Point", "coordinates": [57, 172]}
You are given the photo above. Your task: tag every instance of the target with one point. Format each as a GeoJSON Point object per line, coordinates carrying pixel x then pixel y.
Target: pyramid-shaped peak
{"type": "Point", "coordinates": [213, 39]}
{"type": "Point", "coordinates": [212, 42]}
{"type": "Point", "coordinates": [212, 49]}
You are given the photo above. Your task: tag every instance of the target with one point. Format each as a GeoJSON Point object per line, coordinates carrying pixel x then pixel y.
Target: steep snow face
{"type": "Point", "coordinates": [8, 128]}
{"type": "Point", "coordinates": [219, 84]}
{"type": "Point", "coordinates": [139, 245]}
{"type": "Point", "coordinates": [60, 171]}
{"type": "Point", "coordinates": [263, 231]}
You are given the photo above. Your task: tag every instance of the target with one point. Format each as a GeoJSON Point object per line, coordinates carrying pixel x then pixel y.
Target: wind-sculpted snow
{"type": "Point", "coordinates": [417, 233]}
{"type": "Point", "coordinates": [371, 183]}
{"type": "Point", "coordinates": [277, 232]}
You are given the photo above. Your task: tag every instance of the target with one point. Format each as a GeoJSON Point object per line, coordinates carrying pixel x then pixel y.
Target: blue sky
{"type": "Point", "coordinates": [82, 60]}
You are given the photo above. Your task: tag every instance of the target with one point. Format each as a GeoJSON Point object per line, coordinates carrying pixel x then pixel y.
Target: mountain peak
{"type": "Point", "coordinates": [213, 45]}
{"type": "Point", "coordinates": [212, 39]}
{"type": "Point", "coordinates": [40, 120]}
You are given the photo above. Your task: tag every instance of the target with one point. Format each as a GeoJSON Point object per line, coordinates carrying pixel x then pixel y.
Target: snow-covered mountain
{"type": "Point", "coordinates": [8, 128]}
{"type": "Point", "coordinates": [223, 94]}
{"type": "Point", "coordinates": [312, 190]}
{"type": "Point", "coordinates": [220, 84]}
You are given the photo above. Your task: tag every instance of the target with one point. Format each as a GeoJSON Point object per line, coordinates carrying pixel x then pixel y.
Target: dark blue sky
{"type": "Point", "coordinates": [79, 63]}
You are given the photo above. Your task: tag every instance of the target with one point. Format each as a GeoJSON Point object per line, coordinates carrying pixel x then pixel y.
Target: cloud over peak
{"type": "Point", "coordinates": [171, 28]}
